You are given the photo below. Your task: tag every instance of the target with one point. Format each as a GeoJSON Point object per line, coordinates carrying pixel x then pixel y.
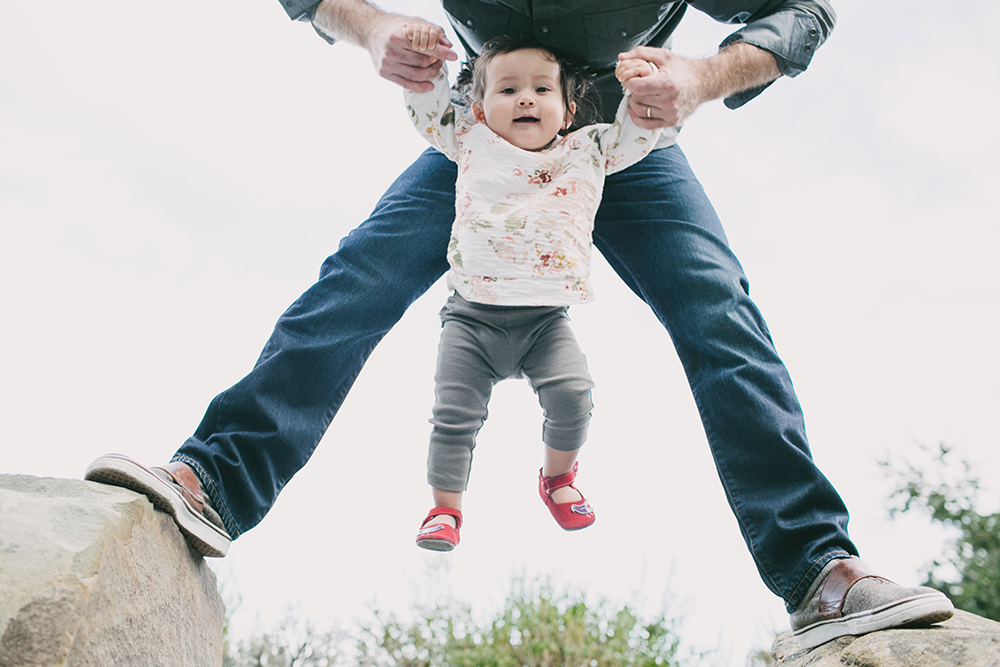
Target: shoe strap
{"type": "Point", "coordinates": [450, 511]}
{"type": "Point", "coordinates": [833, 593]}
{"type": "Point", "coordinates": [187, 482]}
{"type": "Point", "coordinates": [550, 484]}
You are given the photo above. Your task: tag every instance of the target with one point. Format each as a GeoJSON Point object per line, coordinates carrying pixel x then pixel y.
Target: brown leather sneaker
{"type": "Point", "coordinates": [173, 489]}
{"type": "Point", "coordinates": [847, 598]}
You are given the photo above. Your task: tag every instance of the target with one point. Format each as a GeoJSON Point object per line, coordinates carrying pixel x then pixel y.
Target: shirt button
{"type": "Point", "coordinates": [812, 32]}
{"type": "Point", "coordinates": [544, 29]}
{"type": "Point", "coordinates": [470, 23]}
{"type": "Point", "coordinates": [808, 48]}
{"type": "Point", "coordinates": [623, 34]}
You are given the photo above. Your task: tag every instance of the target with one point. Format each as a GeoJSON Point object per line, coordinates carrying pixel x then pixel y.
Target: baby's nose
{"type": "Point", "coordinates": [526, 101]}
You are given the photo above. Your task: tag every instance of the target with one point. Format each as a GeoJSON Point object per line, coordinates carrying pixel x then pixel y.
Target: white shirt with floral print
{"type": "Point", "coordinates": [522, 231]}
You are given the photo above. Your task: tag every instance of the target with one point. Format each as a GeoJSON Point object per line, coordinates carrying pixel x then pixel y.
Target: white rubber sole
{"type": "Point", "coordinates": [918, 610]}
{"type": "Point", "coordinates": [120, 470]}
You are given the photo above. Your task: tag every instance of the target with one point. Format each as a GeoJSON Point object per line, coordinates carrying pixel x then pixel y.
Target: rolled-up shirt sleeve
{"type": "Point", "coordinates": [304, 10]}
{"type": "Point", "coordinates": [791, 30]}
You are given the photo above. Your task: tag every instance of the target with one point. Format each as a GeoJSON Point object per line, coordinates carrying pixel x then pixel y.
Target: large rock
{"type": "Point", "coordinates": [966, 639]}
{"type": "Point", "coordinates": [94, 576]}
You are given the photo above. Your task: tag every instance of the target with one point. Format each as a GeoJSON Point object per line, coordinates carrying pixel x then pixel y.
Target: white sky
{"type": "Point", "coordinates": [172, 176]}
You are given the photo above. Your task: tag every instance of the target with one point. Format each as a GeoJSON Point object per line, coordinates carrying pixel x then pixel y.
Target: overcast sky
{"type": "Point", "coordinates": [172, 176]}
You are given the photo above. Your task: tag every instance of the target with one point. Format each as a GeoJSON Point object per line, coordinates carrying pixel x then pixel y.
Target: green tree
{"type": "Point", "coordinates": [948, 492]}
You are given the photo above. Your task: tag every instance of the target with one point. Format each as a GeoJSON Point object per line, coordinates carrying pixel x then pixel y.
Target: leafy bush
{"type": "Point", "coordinates": [538, 626]}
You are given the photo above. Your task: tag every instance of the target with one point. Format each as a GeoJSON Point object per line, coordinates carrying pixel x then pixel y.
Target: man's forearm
{"type": "Point", "coordinates": [736, 68]}
{"type": "Point", "coordinates": [353, 21]}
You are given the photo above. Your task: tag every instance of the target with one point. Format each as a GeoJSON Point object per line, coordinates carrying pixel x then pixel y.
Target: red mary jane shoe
{"type": "Point", "coordinates": [570, 516]}
{"type": "Point", "coordinates": [439, 537]}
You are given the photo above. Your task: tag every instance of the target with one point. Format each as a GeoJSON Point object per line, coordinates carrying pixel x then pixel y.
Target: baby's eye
{"type": "Point", "coordinates": [507, 91]}
{"type": "Point", "coordinates": [542, 89]}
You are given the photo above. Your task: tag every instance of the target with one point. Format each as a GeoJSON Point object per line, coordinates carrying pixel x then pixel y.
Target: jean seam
{"type": "Point", "coordinates": [751, 542]}
{"type": "Point", "coordinates": [208, 485]}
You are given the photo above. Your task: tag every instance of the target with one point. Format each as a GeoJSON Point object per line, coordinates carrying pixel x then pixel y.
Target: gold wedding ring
{"type": "Point", "coordinates": [649, 112]}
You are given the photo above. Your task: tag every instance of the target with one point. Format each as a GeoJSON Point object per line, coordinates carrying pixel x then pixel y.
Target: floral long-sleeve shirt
{"type": "Point", "coordinates": [522, 231]}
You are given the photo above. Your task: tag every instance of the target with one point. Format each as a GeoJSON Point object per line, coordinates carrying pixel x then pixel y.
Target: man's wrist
{"type": "Point", "coordinates": [353, 21]}
{"type": "Point", "coordinates": [736, 68]}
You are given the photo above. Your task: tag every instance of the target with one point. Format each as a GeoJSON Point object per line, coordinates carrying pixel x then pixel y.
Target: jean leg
{"type": "Point", "coordinates": [658, 230]}
{"type": "Point", "coordinates": [256, 435]}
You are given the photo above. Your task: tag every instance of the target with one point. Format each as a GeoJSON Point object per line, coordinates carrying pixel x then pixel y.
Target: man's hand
{"type": "Point", "coordinates": [681, 85]}
{"type": "Point", "coordinates": [409, 51]}
{"type": "Point", "coordinates": [405, 50]}
{"type": "Point", "coordinates": [666, 98]}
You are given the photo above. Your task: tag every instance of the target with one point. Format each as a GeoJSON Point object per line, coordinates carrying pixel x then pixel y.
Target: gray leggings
{"type": "Point", "coordinates": [482, 345]}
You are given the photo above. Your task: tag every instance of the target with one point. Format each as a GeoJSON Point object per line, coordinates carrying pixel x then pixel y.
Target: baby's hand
{"type": "Point", "coordinates": [633, 67]}
{"type": "Point", "coordinates": [424, 37]}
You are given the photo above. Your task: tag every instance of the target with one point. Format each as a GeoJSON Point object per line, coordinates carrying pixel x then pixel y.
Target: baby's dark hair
{"type": "Point", "coordinates": [576, 84]}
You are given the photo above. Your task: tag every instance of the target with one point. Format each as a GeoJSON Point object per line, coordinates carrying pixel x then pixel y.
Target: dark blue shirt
{"type": "Point", "coordinates": [594, 32]}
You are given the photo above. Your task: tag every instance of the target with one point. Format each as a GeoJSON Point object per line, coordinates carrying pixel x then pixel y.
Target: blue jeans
{"type": "Point", "coordinates": [660, 233]}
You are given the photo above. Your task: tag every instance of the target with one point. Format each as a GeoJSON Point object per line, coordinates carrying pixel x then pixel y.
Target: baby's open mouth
{"type": "Point", "coordinates": [526, 119]}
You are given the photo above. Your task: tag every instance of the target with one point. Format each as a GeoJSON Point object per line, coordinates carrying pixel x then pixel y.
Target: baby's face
{"type": "Point", "coordinates": [523, 100]}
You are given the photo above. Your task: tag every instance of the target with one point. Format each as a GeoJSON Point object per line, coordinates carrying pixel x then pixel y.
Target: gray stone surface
{"type": "Point", "coordinates": [94, 576]}
{"type": "Point", "coordinates": [966, 639]}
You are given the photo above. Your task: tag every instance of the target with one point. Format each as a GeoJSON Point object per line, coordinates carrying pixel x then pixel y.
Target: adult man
{"type": "Point", "coordinates": [657, 230]}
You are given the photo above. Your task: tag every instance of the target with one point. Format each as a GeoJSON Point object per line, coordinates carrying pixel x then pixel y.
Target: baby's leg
{"type": "Point", "coordinates": [463, 384]}
{"type": "Point", "coordinates": [557, 370]}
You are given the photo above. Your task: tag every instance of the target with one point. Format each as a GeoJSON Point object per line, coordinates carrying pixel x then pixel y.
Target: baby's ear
{"type": "Point", "coordinates": [478, 114]}
{"type": "Point", "coordinates": [569, 115]}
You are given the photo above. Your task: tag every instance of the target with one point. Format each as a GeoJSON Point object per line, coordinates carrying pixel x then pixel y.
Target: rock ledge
{"type": "Point", "coordinates": [93, 575]}
{"type": "Point", "coordinates": [966, 639]}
